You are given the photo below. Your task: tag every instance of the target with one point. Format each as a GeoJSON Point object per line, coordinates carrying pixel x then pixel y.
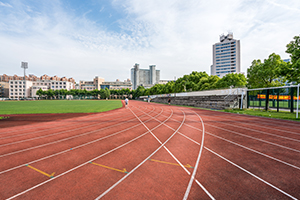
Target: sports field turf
{"type": "Point", "coordinates": [58, 106]}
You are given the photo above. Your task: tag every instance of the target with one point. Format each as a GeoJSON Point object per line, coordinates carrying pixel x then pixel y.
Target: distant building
{"type": "Point", "coordinates": [91, 85]}
{"type": "Point", "coordinates": [4, 89]}
{"type": "Point", "coordinates": [18, 88]}
{"type": "Point", "coordinates": [144, 77]}
{"type": "Point", "coordinates": [117, 85]}
{"type": "Point", "coordinates": [165, 81]}
{"type": "Point", "coordinates": [226, 56]}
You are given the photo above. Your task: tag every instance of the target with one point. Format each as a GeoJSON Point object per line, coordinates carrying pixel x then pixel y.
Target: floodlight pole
{"type": "Point", "coordinates": [297, 101]}
{"type": "Point", "coordinates": [25, 66]}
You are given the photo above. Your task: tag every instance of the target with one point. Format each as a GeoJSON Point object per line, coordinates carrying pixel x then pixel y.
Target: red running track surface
{"type": "Point", "coordinates": [150, 151]}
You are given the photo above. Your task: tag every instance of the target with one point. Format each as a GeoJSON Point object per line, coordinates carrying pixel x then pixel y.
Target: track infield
{"type": "Point", "coordinates": [151, 151]}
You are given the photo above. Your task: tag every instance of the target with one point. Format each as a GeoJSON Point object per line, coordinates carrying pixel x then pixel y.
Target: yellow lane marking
{"type": "Point", "coordinates": [187, 165]}
{"type": "Point", "coordinates": [49, 175]}
{"type": "Point", "coordinates": [123, 171]}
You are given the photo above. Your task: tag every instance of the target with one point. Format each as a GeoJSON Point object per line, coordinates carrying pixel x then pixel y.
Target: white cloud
{"type": "Point", "coordinates": [177, 36]}
{"type": "Point", "coordinates": [5, 4]}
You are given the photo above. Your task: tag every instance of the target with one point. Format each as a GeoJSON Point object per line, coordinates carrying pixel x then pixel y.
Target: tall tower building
{"type": "Point", "coordinates": [226, 56]}
{"type": "Point", "coordinates": [144, 77]}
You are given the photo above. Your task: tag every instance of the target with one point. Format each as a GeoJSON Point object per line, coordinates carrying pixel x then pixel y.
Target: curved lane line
{"type": "Point", "coordinates": [196, 166]}
{"type": "Point", "coordinates": [75, 136]}
{"type": "Point", "coordinates": [85, 163]}
{"type": "Point", "coordinates": [46, 124]}
{"type": "Point", "coordinates": [99, 139]}
{"type": "Point", "coordinates": [118, 182]}
{"type": "Point", "coordinates": [283, 192]}
{"type": "Point", "coordinates": [199, 155]}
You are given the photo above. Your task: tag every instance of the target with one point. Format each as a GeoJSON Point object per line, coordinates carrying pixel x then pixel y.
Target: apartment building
{"type": "Point", "coordinates": [91, 85]}
{"type": "Point", "coordinates": [226, 56]}
{"type": "Point", "coordinates": [18, 88]}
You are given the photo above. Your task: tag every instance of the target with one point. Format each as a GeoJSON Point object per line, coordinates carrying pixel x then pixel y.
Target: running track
{"type": "Point", "coordinates": [152, 151]}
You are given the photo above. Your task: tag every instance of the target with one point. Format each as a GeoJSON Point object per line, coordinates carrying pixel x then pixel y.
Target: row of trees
{"type": "Point", "coordinates": [196, 81]}
{"type": "Point", "coordinates": [103, 93]}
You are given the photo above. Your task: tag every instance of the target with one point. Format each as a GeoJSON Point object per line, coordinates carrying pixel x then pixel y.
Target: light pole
{"type": "Point", "coordinates": [24, 65]}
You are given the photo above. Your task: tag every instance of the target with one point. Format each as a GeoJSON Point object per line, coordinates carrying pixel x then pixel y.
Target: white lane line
{"type": "Point", "coordinates": [260, 153]}
{"type": "Point", "coordinates": [58, 126]}
{"type": "Point", "coordinates": [53, 134]}
{"type": "Point", "coordinates": [162, 143]}
{"type": "Point", "coordinates": [196, 166]}
{"type": "Point", "coordinates": [46, 144]}
{"type": "Point", "coordinates": [265, 155]}
{"type": "Point", "coordinates": [85, 163]}
{"type": "Point", "coordinates": [263, 132]}
{"type": "Point", "coordinates": [118, 182]}
{"type": "Point", "coordinates": [73, 148]}
{"type": "Point", "coordinates": [237, 133]}
{"type": "Point", "coordinates": [281, 191]}
{"type": "Point", "coordinates": [61, 121]}
{"type": "Point", "coordinates": [269, 121]}
{"type": "Point", "coordinates": [285, 147]}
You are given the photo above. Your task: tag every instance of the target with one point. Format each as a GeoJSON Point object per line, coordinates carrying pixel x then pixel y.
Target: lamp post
{"type": "Point", "coordinates": [24, 65]}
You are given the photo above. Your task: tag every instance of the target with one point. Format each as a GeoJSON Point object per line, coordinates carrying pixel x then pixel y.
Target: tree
{"type": "Point", "coordinates": [40, 92]}
{"type": "Point", "coordinates": [50, 93]}
{"type": "Point", "coordinates": [232, 79]}
{"type": "Point", "coordinates": [292, 70]}
{"type": "Point", "coordinates": [266, 74]}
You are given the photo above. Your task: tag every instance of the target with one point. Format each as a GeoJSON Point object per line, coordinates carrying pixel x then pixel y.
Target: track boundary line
{"type": "Point", "coordinates": [85, 163]}
{"type": "Point", "coordinates": [248, 172]}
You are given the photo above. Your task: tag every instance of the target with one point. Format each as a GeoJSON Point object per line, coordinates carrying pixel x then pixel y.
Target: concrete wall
{"type": "Point", "coordinates": [211, 102]}
{"type": "Point", "coordinates": [212, 99]}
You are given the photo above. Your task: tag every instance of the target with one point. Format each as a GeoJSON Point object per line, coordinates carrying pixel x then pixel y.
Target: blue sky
{"type": "Point", "coordinates": [83, 39]}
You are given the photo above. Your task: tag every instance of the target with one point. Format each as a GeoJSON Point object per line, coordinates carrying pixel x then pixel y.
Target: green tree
{"type": "Point", "coordinates": [40, 93]}
{"type": "Point", "coordinates": [232, 79]}
{"type": "Point", "coordinates": [50, 93]}
{"type": "Point", "coordinates": [292, 70]}
{"type": "Point", "coordinates": [266, 74]}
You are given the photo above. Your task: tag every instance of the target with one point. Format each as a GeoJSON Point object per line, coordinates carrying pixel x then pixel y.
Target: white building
{"type": "Point", "coordinates": [144, 77]}
{"type": "Point", "coordinates": [91, 85]}
{"type": "Point", "coordinates": [226, 56]}
{"type": "Point", "coordinates": [18, 90]}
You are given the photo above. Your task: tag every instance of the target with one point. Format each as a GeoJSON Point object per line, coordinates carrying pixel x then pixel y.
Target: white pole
{"type": "Point", "coordinates": [242, 99]}
{"type": "Point", "coordinates": [297, 101]}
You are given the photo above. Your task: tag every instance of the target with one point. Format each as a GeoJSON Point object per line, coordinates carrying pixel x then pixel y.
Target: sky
{"type": "Point", "coordinates": [105, 38]}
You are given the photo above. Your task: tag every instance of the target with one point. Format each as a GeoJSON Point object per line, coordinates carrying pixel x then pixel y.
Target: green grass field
{"type": "Point", "coordinates": [58, 106]}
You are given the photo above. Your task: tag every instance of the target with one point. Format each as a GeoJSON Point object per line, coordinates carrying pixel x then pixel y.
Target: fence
{"type": "Point", "coordinates": [277, 98]}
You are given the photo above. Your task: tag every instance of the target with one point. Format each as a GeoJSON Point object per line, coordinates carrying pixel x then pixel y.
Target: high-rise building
{"type": "Point", "coordinates": [226, 56]}
{"type": "Point", "coordinates": [144, 77]}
